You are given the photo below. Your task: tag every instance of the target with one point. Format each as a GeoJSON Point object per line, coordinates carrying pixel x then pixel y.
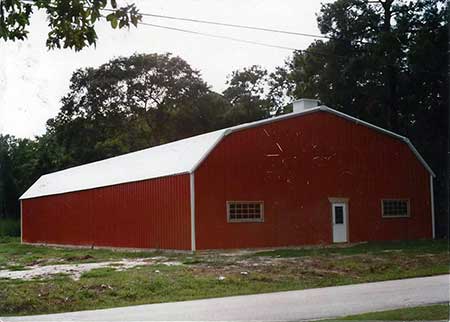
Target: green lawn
{"type": "Point", "coordinates": [197, 275]}
{"type": "Point", "coordinates": [413, 247]}
{"type": "Point", "coordinates": [420, 313]}
{"type": "Point", "coordinates": [12, 251]}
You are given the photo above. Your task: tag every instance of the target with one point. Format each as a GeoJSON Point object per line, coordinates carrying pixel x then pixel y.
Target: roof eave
{"type": "Point", "coordinates": [24, 197]}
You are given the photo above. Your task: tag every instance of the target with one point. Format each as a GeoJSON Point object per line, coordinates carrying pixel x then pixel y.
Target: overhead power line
{"type": "Point", "coordinates": [224, 24]}
{"type": "Point", "coordinates": [252, 42]}
{"type": "Point", "coordinates": [232, 25]}
{"type": "Point", "coordinates": [218, 36]}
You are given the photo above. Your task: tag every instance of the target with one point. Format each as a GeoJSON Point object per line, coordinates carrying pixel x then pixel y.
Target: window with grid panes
{"type": "Point", "coordinates": [395, 208]}
{"type": "Point", "coordinates": [245, 211]}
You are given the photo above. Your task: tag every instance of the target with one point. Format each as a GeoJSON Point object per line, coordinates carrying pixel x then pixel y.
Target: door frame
{"type": "Point", "coordinates": [344, 201]}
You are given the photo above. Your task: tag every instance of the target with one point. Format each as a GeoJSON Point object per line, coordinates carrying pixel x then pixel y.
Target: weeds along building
{"type": "Point", "coordinates": [309, 177]}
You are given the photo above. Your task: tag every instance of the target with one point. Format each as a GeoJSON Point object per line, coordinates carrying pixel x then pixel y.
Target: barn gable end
{"type": "Point", "coordinates": [295, 169]}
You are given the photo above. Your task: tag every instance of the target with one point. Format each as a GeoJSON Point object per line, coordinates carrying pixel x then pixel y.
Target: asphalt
{"type": "Point", "coordinates": [308, 304]}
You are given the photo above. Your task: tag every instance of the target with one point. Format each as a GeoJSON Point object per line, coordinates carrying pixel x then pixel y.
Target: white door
{"type": "Point", "coordinates": [339, 222]}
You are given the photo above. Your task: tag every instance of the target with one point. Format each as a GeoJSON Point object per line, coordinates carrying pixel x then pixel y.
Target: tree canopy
{"type": "Point", "coordinates": [71, 22]}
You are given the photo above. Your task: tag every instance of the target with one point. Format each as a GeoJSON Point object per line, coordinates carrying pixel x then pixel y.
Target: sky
{"type": "Point", "coordinates": [33, 79]}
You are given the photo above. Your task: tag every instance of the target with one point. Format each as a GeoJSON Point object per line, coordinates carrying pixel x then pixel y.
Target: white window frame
{"type": "Point", "coordinates": [245, 220]}
{"type": "Point", "coordinates": [408, 208]}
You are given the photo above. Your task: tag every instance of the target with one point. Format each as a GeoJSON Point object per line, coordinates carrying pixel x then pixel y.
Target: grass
{"type": "Point", "coordinates": [419, 246]}
{"type": "Point", "coordinates": [13, 253]}
{"type": "Point", "coordinates": [197, 276]}
{"type": "Point", "coordinates": [419, 313]}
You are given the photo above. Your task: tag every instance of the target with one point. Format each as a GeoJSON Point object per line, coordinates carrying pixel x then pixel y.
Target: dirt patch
{"type": "Point", "coordinates": [78, 258]}
{"type": "Point", "coordinates": [76, 270]}
{"type": "Point", "coordinates": [261, 267]}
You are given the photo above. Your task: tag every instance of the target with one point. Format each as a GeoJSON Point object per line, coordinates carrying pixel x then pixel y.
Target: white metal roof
{"type": "Point", "coordinates": [182, 156]}
{"type": "Point", "coordinates": [163, 160]}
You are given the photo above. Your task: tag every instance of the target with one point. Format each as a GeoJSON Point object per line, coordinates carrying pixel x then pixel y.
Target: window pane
{"type": "Point", "coordinates": [395, 208]}
{"type": "Point", "coordinates": [240, 211]}
{"type": "Point", "coordinates": [338, 215]}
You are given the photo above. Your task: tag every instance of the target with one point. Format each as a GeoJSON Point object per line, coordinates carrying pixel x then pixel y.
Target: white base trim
{"type": "Point", "coordinates": [118, 249]}
{"type": "Point", "coordinates": [21, 223]}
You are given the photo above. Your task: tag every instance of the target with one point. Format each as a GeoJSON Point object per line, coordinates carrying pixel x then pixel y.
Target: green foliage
{"type": "Point", "coordinates": [246, 92]}
{"type": "Point", "coordinates": [22, 161]}
{"type": "Point", "coordinates": [8, 187]}
{"type": "Point", "coordinates": [72, 23]}
{"type": "Point", "coordinates": [255, 94]}
{"type": "Point", "coordinates": [129, 104]}
{"type": "Point", "coordinates": [9, 227]}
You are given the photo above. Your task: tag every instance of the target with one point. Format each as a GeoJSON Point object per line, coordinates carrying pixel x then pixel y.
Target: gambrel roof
{"type": "Point", "coordinates": [173, 158]}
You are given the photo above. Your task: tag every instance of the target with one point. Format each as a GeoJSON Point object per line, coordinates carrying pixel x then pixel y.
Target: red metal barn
{"type": "Point", "coordinates": [315, 176]}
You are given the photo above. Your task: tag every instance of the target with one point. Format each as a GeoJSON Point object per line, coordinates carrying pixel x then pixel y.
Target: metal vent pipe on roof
{"type": "Point", "coordinates": [304, 104]}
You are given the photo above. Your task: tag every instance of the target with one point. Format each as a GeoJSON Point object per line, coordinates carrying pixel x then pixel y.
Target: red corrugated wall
{"type": "Point", "coordinates": [146, 214]}
{"type": "Point", "coordinates": [294, 166]}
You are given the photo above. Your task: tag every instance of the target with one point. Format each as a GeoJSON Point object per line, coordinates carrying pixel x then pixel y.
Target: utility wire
{"type": "Point", "coordinates": [210, 22]}
{"type": "Point", "coordinates": [264, 44]}
{"type": "Point", "coordinates": [239, 39]}
{"type": "Point", "coordinates": [218, 36]}
{"type": "Point", "coordinates": [200, 33]}
{"type": "Point", "coordinates": [252, 42]}
{"type": "Point", "coordinates": [225, 24]}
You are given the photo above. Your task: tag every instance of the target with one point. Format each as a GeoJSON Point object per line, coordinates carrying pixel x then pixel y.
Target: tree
{"type": "Point", "coordinates": [8, 189]}
{"type": "Point", "coordinates": [247, 92]}
{"type": "Point", "coordinates": [250, 92]}
{"type": "Point", "coordinates": [72, 22]}
{"type": "Point", "coordinates": [131, 103]}
{"type": "Point", "coordinates": [386, 63]}
{"type": "Point", "coordinates": [17, 172]}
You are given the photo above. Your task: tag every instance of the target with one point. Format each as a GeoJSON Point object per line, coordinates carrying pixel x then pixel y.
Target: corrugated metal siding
{"type": "Point", "coordinates": [146, 214]}
{"type": "Point", "coordinates": [294, 166]}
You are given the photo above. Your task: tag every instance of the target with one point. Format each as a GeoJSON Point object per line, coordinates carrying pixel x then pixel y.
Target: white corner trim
{"type": "Point", "coordinates": [433, 228]}
{"type": "Point", "coordinates": [192, 190]}
{"type": "Point", "coordinates": [21, 223]}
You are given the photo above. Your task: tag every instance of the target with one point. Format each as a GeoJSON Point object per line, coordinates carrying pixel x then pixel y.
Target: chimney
{"type": "Point", "coordinates": [304, 104]}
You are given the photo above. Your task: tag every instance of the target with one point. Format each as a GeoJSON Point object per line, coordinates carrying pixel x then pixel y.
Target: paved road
{"type": "Point", "coordinates": [282, 306]}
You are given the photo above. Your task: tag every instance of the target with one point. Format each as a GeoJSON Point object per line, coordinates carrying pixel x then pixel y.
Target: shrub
{"type": "Point", "coordinates": [9, 227]}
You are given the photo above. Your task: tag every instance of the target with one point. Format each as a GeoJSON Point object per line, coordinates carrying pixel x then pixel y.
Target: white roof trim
{"type": "Point", "coordinates": [183, 156]}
